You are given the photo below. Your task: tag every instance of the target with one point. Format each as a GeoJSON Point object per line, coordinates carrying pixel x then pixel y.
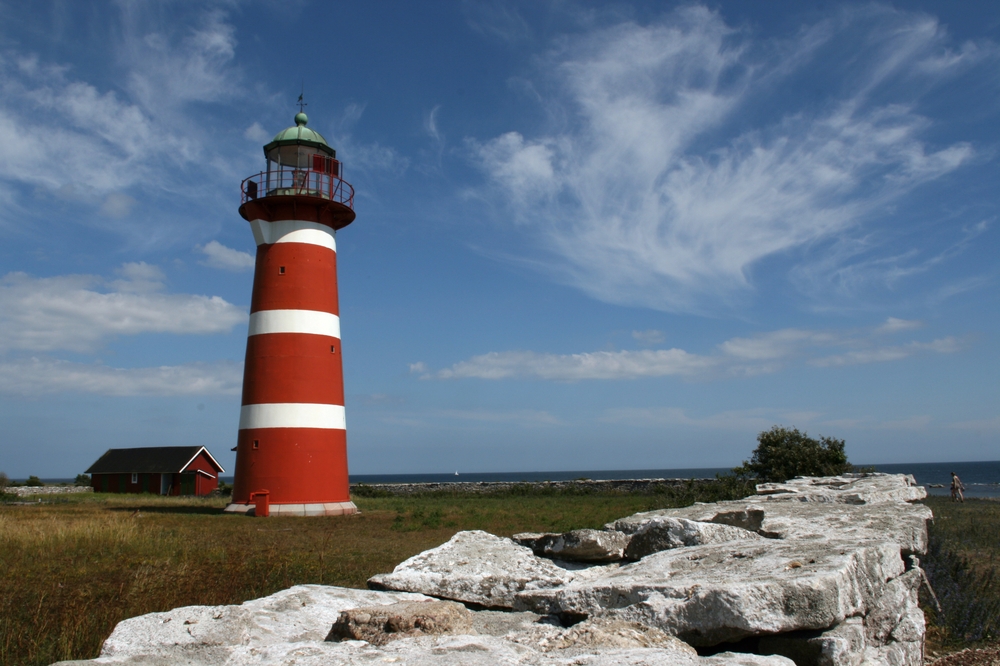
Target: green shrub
{"type": "Point", "coordinates": [783, 453]}
{"type": "Point", "coordinates": [33, 481]}
{"type": "Point", "coordinates": [82, 480]}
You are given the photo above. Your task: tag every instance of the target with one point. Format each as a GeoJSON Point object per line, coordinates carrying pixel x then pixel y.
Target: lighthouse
{"type": "Point", "coordinates": [291, 451]}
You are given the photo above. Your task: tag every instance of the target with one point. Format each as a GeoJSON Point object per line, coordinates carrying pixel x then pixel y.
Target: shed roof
{"type": "Point", "coordinates": [149, 460]}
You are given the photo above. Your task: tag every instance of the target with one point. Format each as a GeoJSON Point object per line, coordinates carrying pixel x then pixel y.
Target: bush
{"type": "Point", "coordinates": [82, 480]}
{"type": "Point", "coordinates": [4, 481]}
{"type": "Point", "coordinates": [33, 481]}
{"type": "Point", "coordinates": [783, 453]}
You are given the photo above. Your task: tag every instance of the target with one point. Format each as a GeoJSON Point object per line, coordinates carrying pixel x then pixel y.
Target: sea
{"type": "Point", "coordinates": [981, 479]}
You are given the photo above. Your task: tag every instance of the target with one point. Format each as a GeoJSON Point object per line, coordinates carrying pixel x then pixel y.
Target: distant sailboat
{"type": "Point", "coordinates": [456, 472]}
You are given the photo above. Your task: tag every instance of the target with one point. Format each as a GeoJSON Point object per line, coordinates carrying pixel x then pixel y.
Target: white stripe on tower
{"type": "Point", "coordinates": [292, 415]}
{"type": "Point", "coordinates": [295, 321]}
{"type": "Point", "coordinates": [293, 231]}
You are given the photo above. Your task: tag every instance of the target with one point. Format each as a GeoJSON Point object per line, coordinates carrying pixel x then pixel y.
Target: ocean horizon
{"type": "Point", "coordinates": [981, 479]}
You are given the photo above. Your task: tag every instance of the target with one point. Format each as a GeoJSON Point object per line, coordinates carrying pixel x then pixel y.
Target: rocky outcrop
{"type": "Point", "coordinates": [815, 572]}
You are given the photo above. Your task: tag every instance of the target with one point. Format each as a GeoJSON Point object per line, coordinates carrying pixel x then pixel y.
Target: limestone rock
{"type": "Point", "coordinates": [617, 634]}
{"type": "Point", "coordinates": [666, 533]}
{"type": "Point", "coordinates": [718, 593]}
{"type": "Point", "coordinates": [842, 645]}
{"type": "Point", "coordinates": [577, 546]}
{"type": "Point", "coordinates": [380, 624]}
{"type": "Point", "coordinates": [474, 567]}
{"type": "Point", "coordinates": [899, 522]}
{"type": "Point", "coordinates": [868, 488]}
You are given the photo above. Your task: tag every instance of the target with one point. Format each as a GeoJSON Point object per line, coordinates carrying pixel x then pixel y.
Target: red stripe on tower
{"type": "Point", "coordinates": [291, 452]}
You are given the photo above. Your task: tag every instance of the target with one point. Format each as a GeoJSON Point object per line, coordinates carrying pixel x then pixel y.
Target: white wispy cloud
{"type": "Point", "coordinates": [646, 197]}
{"type": "Point", "coordinates": [651, 337]}
{"type": "Point", "coordinates": [948, 345]}
{"type": "Point", "coordinates": [742, 356]}
{"type": "Point", "coordinates": [895, 325]}
{"type": "Point", "coordinates": [103, 146]}
{"type": "Point", "coordinates": [738, 420]}
{"type": "Point", "coordinates": [218, 255]}
{"type": "Point", "coordinates": [80, 312]}
{"type": "Point", "coordinates": [42, 376]}
{"type": "Point", "coordinates": [573, 367]}
{"type": "Point", "coordinates": [517, 416]}
{"type": "Point", "coordinates": [986, 426]}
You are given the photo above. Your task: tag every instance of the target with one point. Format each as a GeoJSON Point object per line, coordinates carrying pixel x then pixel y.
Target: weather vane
{"type": "Point", "coordinates": [302, 105]}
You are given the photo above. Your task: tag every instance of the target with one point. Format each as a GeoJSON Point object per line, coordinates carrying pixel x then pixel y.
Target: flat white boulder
{"type": "Point", "coordinates": [474, 567]}
{"type": "Point", "coordinates": [210, 634]}
{"type": "Point", "coordinates": [718, 593]}
{"type": "Point", "coordinates": [667, 533]}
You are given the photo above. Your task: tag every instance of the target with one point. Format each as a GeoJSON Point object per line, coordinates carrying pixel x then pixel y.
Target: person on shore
{"type": "Point", "coordinates": [957, 488]}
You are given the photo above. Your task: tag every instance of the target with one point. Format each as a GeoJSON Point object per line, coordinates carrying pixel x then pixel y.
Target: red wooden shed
{"type": "Point", "coordinates": [161, 470]}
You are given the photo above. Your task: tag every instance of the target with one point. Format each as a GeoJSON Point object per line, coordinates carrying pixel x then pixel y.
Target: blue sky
{"type": "Point", "coordinates": [589, 235]}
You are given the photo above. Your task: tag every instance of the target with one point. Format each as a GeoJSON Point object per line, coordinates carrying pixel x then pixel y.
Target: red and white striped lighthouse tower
{"type": "Point", "coordinates": [291, 453]}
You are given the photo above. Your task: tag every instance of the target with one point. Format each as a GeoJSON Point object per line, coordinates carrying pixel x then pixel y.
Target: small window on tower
{"type": "Point", "coordinates": [333, 349]}
{"type": "Point", "coordinates": [281, 270]}
{"type": "Point", "coordinates": [256, 443]}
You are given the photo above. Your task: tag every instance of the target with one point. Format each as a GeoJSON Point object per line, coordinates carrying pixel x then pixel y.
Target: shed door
{"type": "Point", "coordinates": [187, 484]}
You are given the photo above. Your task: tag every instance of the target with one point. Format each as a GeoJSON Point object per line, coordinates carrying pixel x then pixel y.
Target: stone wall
{"type": "Point", "coordinates": [626, 486]}
{"type": "Point", "coordinates": [23, 491]}
{"type": "Point", "coordinates": [815, 572]}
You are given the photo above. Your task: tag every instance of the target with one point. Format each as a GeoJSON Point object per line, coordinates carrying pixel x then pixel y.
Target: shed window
{"type": "Point", "coordinates": [135, 477]}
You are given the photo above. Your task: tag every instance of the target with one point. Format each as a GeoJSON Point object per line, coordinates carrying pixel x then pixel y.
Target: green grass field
{"type": "Point", "coordinates": [75, 567]}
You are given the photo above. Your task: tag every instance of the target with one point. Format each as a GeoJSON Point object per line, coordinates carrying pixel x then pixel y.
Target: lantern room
{"type": "Point", "coordinates": [300, 163]}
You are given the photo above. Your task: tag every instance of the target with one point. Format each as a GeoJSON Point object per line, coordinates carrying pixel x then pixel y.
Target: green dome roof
{"type": "Point", "coordinates": [300, 135]}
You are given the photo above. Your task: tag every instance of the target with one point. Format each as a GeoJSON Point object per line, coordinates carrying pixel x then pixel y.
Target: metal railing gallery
{"type": "Point", "coordinates": [298, 182]}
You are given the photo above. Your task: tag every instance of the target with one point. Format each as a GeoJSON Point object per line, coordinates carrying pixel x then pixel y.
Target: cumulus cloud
{"type": "Point", "coordinates": [80, 312]}
{"type": "Point", "coordinates": [742, 356]}
{"type": "Point", "coordinates": [646, 195]}
{"type": "Point", "coordinates": [218, 255]}
{"type": "Point", "coordinates": [42, 376]}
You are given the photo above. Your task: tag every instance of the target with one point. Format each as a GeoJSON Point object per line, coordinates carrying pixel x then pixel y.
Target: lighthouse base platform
{"type": "Point", "coordinates": [316, 509]}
